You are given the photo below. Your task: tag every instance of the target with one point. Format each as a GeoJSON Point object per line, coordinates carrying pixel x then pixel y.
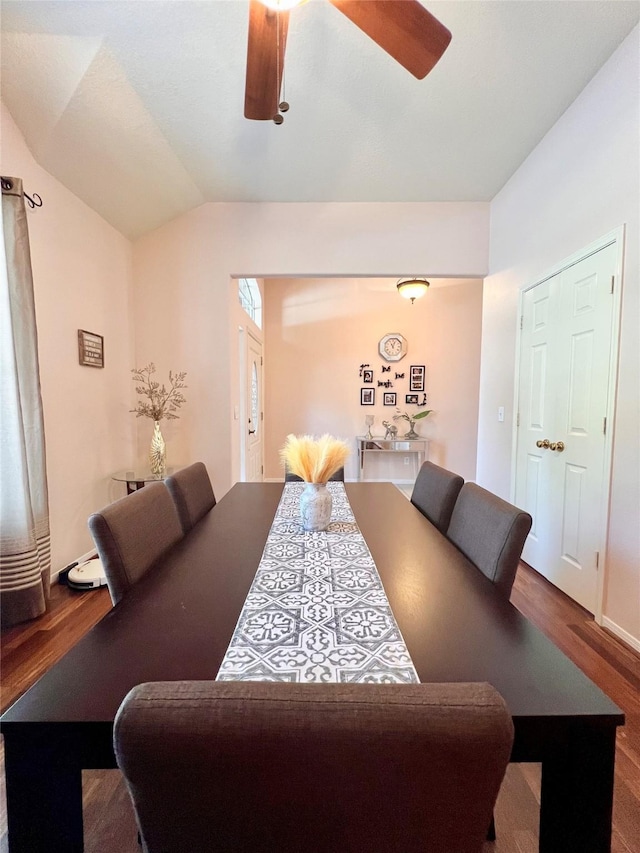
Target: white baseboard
{"type": "Point", "coordinates": [625, 636]}
{"type": "Point", "coordinates": [82, 559]}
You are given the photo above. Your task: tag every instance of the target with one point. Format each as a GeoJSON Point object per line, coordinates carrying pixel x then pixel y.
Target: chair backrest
{"type": "Point", "coordinates": [192, 493]}
{"type": "Point", "coordinates": [293, 478]}
{"type": "Point", "coordinates": [268, 767]}
{"type": "Point", "coordinates": [435, 492]}
{"type": "Point", "coordinates": [132, 533]}
{"type": "Point", "coordinates": [490, 532]}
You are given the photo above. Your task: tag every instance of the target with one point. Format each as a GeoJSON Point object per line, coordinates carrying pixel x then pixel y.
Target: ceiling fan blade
{"type": "Point", "coordinates": [403, 28]}
{"type": "Point", "coordinates": [265, 60]}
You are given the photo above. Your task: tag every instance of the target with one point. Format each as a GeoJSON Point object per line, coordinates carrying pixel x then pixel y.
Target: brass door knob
{"type": "Point", "coordinates": [557, 445]}
{"type": "Point", "coordinates": [544, 443]}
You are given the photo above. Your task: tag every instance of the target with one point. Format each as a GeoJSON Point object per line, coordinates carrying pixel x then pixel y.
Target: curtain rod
{"type": "Point", "coordinates": [36, 201]}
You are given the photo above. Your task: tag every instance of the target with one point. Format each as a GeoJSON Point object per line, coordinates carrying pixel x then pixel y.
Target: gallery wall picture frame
{"type": "Point", "coordinates": [411, 399]}
{"type": "Point", "coordinates": [90, 349]}
{"type": "Point", "coordinates": [367, 396]}
{"type": "Point", "coordinates": [416, 377]}
{"type": "Point", "coordinates": [367, 375]}
{"type": "Point", "coordinates": [389, 398]}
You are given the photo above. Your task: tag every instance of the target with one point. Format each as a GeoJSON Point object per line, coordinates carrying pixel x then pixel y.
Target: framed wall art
{"type": "Point", "coordinates": [411, 399]}
{"type": "Point", "coordinates": [367, 396]}
{"type": "Point", "coordinates": [90, 349]}
{"type": "Point", "coordinates": [389, 398]}
{"type": "Point", "coordinates": [367, 375]}
{"type": "Point", "coordinates": [416, 377]}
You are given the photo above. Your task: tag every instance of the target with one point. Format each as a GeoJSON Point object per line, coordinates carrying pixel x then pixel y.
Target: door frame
{"type": "Point", "coordinates": [242, 406]}
{"type": "Point", "coordinates": [616, 236]}
{"type": "Point", "coordinates": [250, 336]}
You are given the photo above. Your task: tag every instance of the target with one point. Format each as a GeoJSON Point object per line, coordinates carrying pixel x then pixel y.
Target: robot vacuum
{"type": "Point", "coordinates": [87, 575]}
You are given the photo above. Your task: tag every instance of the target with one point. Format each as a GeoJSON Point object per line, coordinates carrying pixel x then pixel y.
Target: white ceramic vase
{"type": "Point", "coordinates": [157, 452]}
{"type": "Point", "coordinates": [315, 506]}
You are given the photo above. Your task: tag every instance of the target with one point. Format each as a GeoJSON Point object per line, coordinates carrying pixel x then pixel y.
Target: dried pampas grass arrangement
{"type": "Point", "coordinates": [315, 460]}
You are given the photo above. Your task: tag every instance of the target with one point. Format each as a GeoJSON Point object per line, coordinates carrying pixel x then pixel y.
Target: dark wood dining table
{"type": "Point", "coordinates": [176, 623]}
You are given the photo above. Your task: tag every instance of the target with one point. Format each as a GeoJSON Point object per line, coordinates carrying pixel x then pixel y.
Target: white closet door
{"type": "Point", "coordinates": [536, 412]}
{"type": "Point", "coordinates": [564, 385]}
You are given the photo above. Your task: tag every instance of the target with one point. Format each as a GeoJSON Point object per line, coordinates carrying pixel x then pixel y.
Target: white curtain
{"type": "Point", "coordinates": [25, 558]}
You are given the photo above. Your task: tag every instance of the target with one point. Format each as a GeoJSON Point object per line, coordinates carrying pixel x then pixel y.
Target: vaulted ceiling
{"type": "Point", "coordinates": [137, 106]}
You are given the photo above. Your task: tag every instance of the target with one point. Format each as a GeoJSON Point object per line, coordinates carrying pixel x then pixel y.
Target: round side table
{"type": "Point", "coordinates": [137, 478]}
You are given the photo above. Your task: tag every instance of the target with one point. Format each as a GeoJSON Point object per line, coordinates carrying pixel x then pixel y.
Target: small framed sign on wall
{"type": "Point", "coordinates": [90, 349]}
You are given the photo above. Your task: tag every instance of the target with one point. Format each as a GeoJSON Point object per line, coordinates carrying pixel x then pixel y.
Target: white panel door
{"type": "Point", "coordinates": [581, 377]}
{"type": "Point", "coordinates": [536, 412]}
{"type": "Point", "coordinates": [254, 409]}
{"type": "Point", "coordinates": [563, 395]}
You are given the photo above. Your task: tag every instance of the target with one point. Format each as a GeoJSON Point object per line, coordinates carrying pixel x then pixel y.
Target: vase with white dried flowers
{"type": "Point", "coordinates": [161, 402]}
{"type": "Point", "coordinates": [315, 461]}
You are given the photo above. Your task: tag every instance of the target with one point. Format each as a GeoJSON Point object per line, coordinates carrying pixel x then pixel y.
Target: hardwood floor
{"type": "Point", "coordinates": [29, 650]}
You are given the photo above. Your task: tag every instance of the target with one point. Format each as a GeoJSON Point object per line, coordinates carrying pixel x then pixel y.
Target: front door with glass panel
{"type": "Point", "coordinates": [253, 411]}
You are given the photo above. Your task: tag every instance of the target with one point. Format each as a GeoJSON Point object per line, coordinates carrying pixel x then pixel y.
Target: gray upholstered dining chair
{"type": "Point", "coordinates": [268, 767]}
{"type": "Point", "coordinates": [192, 493]}
{"type": "Point", "coordinates": [490, 532]}
{"type": "Point", "coordinates": [293, 478]}
{"type": "Point", "coordinates": [132, 533]}
{"type": "Point", "coordinates": [435, 492]}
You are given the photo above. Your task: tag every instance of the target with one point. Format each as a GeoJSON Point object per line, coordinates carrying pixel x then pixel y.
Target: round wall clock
{"type": "Point", "coordinates": [392, 347]}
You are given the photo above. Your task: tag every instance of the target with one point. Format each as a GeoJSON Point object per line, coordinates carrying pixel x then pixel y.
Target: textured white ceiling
{"type": "Point", "coordinates": [137, 106]}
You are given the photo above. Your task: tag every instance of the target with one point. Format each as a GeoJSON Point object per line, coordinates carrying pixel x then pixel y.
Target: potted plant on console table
{"type": "Point", "coordinates": [411, 420]}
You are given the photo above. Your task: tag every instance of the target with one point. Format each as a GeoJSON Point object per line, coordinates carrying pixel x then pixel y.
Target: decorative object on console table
{"type": "Point", "coordinates": [411, 420]}
{"type": "Point", "coordinates": [315, 461]}
{"type": "Point", "coordinates": [162, 402]}
{"type": "Point", "coordinates": [369, 419]}
{"type": "Point", "coordinates": [391, 430]}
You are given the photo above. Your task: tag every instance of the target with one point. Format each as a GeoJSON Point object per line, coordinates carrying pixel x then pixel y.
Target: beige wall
{"type": "Point", "coordinates": [318, 332]}
{"type": "Point", "coordinates": [82, 280]}
{"type": "Point", "coordinates": [580, 183]}
{"type": "Point", "coordinates": [183, 312]}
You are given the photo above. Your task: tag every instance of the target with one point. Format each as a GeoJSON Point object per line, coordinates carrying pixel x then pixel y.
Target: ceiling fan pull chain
{"type": "Point", "coordinates": [278, 118]}
{"type": "Point", "coordinates": [283, 106]}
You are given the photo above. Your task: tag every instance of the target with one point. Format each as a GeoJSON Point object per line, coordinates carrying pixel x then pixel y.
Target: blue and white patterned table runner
{"type": "Point", "coordinates": [317, 610]}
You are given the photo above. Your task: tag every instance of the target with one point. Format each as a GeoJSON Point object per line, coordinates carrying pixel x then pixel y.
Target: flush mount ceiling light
{"type": "Point", "coordinates": [413, 287]}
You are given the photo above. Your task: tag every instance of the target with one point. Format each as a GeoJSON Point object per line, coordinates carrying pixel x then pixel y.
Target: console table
{"type": "Point", "coordinates": [417, 446]}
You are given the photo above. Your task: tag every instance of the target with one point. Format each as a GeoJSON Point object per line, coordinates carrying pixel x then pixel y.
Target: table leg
{"type": "Point", "coordinates": [577, 793]}
{"type": "Point", "coordinates": [44, 796]}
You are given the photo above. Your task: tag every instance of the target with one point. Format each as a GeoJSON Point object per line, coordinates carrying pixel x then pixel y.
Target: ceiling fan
{"type": "Point", "coordinates": [402, 28]}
